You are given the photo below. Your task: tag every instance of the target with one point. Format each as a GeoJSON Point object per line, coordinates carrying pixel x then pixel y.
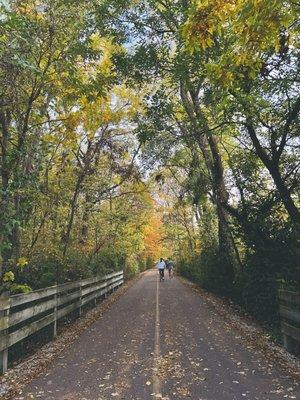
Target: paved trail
{"type": "Point", "coordinates": [161, 338]}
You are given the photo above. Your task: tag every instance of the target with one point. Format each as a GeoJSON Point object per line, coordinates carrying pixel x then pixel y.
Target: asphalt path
{"type": "Point", "coordinates": [161, 340]}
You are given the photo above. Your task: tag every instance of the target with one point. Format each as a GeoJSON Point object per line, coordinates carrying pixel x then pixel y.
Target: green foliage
{"type": "Point", "coordinates": [106, 261]}
{"type": "Point", "coordinates": [150, 262]}
{"type": "Point", "coordinates": [8, 276]}
{"type": "Point", "coordinates": [17, 288]}
{"type": "Point", "coordinates": [256, 290]}
{"type": "Point", "coordinates": [131, 267]}
{"type": "Point", "coordinates": [271, 265]}
{"type": "Point", "coordinates": [207, 270]}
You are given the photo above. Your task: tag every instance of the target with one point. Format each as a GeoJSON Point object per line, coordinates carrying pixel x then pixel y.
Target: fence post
{"type": "Point", "coordinates": [288, 343]}
{"type": "Point", "coordinates": [4, 324]}
{"type": "Point", "coordinates": [55, 313]}
{"type": "Point", "coordinates": [96, 294]}
{"type": "Point", "coordinates": [80, 297]}
{"type": "Point", "coordinates": [105, 294]}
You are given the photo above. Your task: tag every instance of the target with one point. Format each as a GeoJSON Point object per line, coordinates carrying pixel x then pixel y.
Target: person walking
{"type": "Point", "coordinates": [161, 265]}
{"type": "Point", "coordinates": [170, 267]}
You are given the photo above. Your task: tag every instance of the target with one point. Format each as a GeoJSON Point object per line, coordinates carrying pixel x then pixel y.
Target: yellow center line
{"type": "Point", "coordinates": [156, 378]}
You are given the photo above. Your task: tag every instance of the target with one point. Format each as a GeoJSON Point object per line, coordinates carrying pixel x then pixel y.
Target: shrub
{"type": "Point", "coordinates": [107, 260]}
{"type": "Point", "coordinates": [131, 267]}
{"type": "Point", "coordinates": [150, 262]}
{"type": "Point", "coordinates": [208, 270]}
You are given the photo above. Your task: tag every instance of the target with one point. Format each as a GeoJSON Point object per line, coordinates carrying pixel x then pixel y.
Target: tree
{"type": "Point", "coordinates": [40, 68]}
{"type": "Point", "coordinates": [254, 63]}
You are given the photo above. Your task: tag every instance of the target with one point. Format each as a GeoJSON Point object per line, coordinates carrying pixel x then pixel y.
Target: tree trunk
{"type": "Point", "coordinates": [209, 148]}
{"type": "Point", "coordinates": [67, 233]}
{"type": "Point", "coordinates": [85, 221]}
{"type": "Point", "coordinates": [273, 168]}
{"type": "Point", "coordinates": [5, 198]}
{"type": "Point", "coordinates": [285, 195]}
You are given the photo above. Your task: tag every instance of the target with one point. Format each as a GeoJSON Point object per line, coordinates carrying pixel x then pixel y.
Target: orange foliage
{"type": "Point", "coordinates": [153, 237]}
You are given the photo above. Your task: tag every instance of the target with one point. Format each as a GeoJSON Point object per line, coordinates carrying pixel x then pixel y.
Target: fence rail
{"type": "Point", "coordinates": [290, 323]}
{"type": "Point", "coordinates": [22, 315]}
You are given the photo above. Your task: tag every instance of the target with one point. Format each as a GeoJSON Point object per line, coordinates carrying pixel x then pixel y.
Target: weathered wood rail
{"type": "Point", "coordinates": [290, 315]}
{"type": "Point", "coordinates": [22, 315]}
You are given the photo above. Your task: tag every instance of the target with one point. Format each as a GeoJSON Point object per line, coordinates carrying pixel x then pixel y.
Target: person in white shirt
{"type": "Point", "coordinates": [161, 265]}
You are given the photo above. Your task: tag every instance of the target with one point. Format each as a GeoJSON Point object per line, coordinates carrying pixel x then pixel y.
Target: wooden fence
{"type": "Point", "coordinates": [290, 324]}
{"type": "Point", "coordinates": [22, 315]}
